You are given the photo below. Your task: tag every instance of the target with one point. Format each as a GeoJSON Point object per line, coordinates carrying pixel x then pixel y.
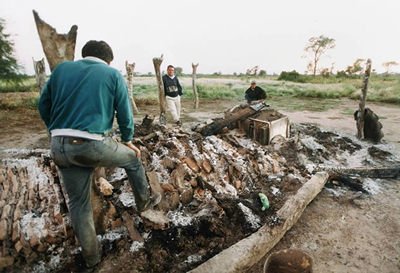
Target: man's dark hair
{"type": "Point", "coordinates": [99, 49]}
{"type": "Point", "coordinates": [170, 66]}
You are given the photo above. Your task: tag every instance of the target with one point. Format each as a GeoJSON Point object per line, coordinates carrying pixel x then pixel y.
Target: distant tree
{"type": "Point", "coordinates": [262, 73]}
{"type": "Point", "coordinates": [317, 46]}
{"type": "Point", "coordinates": [178, 71]}
{"type": "Point", "coordinates": [8, 64]}
{"type": "Point", "coordinates": [325, 72]}
{"type": "Point", "coordinates": [388, 65]}
{"type": "Point", "coordinates": [357, 67]}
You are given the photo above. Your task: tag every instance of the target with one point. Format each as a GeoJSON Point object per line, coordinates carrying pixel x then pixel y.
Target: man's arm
{"type": "Point", "coordinates": [124, 110]}
{"type": "Point", "coordinates": [179, 87]}
{"type": "Point", "coordinates": [164, 84]}
{"type": "Point", "coordinates": [262, 95]}
{"type": "Point", "coordinates": [44, 105]}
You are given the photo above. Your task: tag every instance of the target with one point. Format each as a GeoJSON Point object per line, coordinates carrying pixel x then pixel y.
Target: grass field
{"type": "Point", "coordinates": [382, 88]}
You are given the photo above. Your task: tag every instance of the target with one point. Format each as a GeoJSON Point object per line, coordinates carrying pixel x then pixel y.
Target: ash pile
{"type": "Point", "coordinates": [210, 188]}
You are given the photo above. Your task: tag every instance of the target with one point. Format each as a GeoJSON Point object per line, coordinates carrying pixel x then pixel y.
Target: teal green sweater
{"type": "Point", "coordinates": [84, 95]}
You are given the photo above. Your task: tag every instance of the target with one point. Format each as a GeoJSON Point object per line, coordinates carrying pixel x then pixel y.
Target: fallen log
{"type": "Point", "coordinates": [242, 255]}
{"type": "Point", "coordinates": [371, 172]}
{"type": "Point", "coordinates": [216, 126]}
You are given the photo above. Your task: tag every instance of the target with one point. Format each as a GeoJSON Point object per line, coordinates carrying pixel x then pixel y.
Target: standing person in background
{"type": "Point", "coordinates": [173, 93]}
{"type": "Point", "coordinates": [77, 105]}
{"type": "Point", "coordinates": [254, 94]}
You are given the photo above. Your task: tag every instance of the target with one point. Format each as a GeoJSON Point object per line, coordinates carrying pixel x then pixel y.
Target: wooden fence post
{"type": "Point", "coordinates": [161, 97]}
{"type": "Point", "coordinates": [195, 94]}
{"type": "Point", "coordinates": [40, 73]}
{"type": "Point", "coordinates": [129, 72]}
{"type": "Point", "coordinates": [363, 97]}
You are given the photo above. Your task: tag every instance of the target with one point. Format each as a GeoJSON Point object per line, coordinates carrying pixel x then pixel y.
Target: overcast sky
{"type": "Point", "coordinates": [222, 35]}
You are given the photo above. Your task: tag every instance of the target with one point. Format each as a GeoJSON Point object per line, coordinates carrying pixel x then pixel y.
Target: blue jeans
{"type": "Point", "coordinates": [76, 159]}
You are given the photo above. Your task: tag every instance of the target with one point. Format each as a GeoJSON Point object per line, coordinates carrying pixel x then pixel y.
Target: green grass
{"type": "Point", "coordinates": [382, 88]}
{"type": "Point", "coordinates": [150, 92]}
{"type": "Point", "coordinates": [27, 85]}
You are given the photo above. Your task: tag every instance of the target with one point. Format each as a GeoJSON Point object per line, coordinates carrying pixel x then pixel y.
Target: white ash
{"type": "Point", "coordinates": [25, 151]}
{"type": "Point", "coordinates": [193, 259]}
{"type": "Point", "coordinates": [311, 144]}
{"type": "Point", "coordinates": [127, 199]}
{"type": "Point", "coordinates": [146, 235]}
{"type": "Point", "coordinates": [197, 155]}
{"type": "Point", "coordinates": [274, 190]}
{"type": "Point", "coordinates": [31, 164]}
{"type": "Point", "coordinates": [178, 145]}
{"type": "Point", "coordinates": [40, 267]}
{"type": "Point", "coordinates": [136, 246]}
{"type": "Point", "coordinates": [335, 192]}
{"type": "Point", "coordinates": [178, 219]}
{"type": "Point", "coordinates": [32, 224]}
{"type": "Point", "coordinates": [247, 143]}
{"type": "Point", "coordinates": [372, 186]}
{"type": "Point", "coordinates": [55, 261]}
{"type": "Point", "coordinates": [162, 173]}
{"type": "Point", "coordinates": [114, 235]}
{"type": "Point", "coordinates": [118, 175]}
{"type": "Point", "coordinates": [76, 250]}
{"type": "Point", "coordinates": [251, 218]}
{"type": "Point", "coordinates": [231, 190]}
{"type": "Point", "coordinates": [310, 168]}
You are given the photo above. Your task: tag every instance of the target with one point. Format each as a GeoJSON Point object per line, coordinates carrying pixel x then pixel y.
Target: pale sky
{"type": "Point", "coordinates": [223, 36]}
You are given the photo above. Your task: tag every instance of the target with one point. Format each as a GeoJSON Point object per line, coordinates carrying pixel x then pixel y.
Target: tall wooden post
{"type": "Point", "coordinates": [40, 73]}
{"type": "Point", "coordinates": [56, 47]}
{"type": "Point", "coordinates": [363, 97]}
{"type": "Point", "coordinates": [161, 96]}
{"type": "Point", "coordinates": [195, 94]}
{"type": "Point", "coordinates": [129, 72]}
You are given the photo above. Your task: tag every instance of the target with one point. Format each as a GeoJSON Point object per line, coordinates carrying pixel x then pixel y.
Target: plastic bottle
{"type": "Point", "coordinates": [264, 201]}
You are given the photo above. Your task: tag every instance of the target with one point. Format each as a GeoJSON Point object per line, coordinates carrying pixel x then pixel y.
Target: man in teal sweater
{"type": "Point", "coordinates": [78, 105]}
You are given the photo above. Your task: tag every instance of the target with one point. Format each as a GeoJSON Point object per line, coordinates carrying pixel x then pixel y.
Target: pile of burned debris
{"type": "Point", "coordinates": [210, 188]}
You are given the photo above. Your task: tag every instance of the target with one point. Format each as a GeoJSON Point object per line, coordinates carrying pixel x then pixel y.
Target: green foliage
{"type": "Point", "coordinates": [262, 73]}
{"type": "Point", "coordinates": [316, 47]}
{"type": "Point", "coordinates": [8, 64]}
{"type": "Point", "coordinates": [356, 68]}
{"type": "Point", "coordinates": [178, 71]}
{"type": "Point", "coordinates": [292, 76]}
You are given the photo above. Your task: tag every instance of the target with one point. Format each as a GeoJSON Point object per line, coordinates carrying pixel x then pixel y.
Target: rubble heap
{"type": "Point", "coordinates": [210, 189]}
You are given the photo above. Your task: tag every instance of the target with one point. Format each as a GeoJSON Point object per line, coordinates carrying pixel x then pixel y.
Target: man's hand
{"type": "Point", "coordinates": [134, 148]}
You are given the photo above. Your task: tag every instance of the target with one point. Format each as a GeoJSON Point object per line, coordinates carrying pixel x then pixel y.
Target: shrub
{"type": "Point", "coordinates": [292, 76]}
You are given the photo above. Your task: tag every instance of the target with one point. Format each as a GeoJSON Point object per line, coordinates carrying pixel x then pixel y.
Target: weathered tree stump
{"type": "Point", "coordinates": [195, 93]}
{"type": "Point", "coordinates": [129, 72]}
{"type": "Point", "coordinates": [40, 73]}
{"type": "Point", "coordinates": [363, 97]}
{"type": "Point", "coordinates": [161, 96]}
{"type": "Point", "coordinates": [56, 47]}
